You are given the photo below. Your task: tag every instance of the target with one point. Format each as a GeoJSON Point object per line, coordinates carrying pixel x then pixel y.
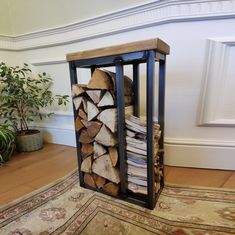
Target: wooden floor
{"type": "Point", "coordinates": [27, 172]}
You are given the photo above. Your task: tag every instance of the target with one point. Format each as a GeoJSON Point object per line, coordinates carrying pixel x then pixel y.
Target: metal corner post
{"type": "Point", "coordinates": [150, 142]}
{"type": "Point", "coordinates": [121, 125]}
{"type": "Point", "coordinates": [74, 80]}
{"type": "Point", "coordinates": [136, 88]}
{"type": "Point", "coordinates": [161, 111]}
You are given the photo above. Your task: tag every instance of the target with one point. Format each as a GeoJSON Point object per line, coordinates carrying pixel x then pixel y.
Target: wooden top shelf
{"type": "Point", "coordinates": [151, 44]}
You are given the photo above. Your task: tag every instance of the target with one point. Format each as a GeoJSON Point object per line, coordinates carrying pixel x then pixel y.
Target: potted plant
{"type": "Point", "coordinates": [22, 96]}
{"type": "Point", "coordinates": [7, 142]}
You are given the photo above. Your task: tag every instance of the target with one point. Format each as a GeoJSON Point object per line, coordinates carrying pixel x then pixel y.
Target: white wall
{"type": "Point", "coordinates": [5, 19]}
{"type": "Point", "coordinates": [26, 16]}
{"type": "Point", "coordinates": [200, 101]}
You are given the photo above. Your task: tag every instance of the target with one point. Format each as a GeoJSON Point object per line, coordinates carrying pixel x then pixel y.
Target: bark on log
{"type": "Point", "coordinates": [77, 90]}
{"type": "Point", "coordinates": [102, 166]}
{"type": "Point", "coordinates": [82, 114]}
{"type": "Point", "coordinates": [87, 150]}
{"type": "Point", "coordinates": [113, 154]}
{"type": "Point", "coordinates": [88, 180]}
{"type": "Point", "coordinates": [84, 104]}
{"type": "Point", "coordinates": [86, 165]}
{"type": "Point", "coordinates": [78, 124]}
{"type": "Point", "coordinates": [99, 181]}
{"type": "Point", "coordinates": [100, 80]}
{"type": "Point", "coordinates": [99, 150]}
{"type": "Point", "coordinates": [112, 189]}
{"type": "Point", "coordinates": [92, 127]}
{"type": "Point", "coordinates": [128, 84]}
{"type": "Point", "coordinates": [84, 137]}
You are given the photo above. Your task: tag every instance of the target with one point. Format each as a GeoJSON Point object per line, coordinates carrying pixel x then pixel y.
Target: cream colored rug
{"type": "Point", "coordinates": [65, 208]}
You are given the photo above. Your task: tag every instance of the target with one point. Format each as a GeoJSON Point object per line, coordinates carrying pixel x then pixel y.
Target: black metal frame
{"type": "Point", "coordinates": [134, 58]}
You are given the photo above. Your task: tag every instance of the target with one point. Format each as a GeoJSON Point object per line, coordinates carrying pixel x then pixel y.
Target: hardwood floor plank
{"type": "Point", "coordinates": [14, 193]}
{"type": "Point", "coordinates": [36, 169]}
{"type": "Point", "coordinates": [199, 177]}
{"type": "Point", "coordinates": [230, 182]}
{"type": "Point", "coordinates": [27, 172]}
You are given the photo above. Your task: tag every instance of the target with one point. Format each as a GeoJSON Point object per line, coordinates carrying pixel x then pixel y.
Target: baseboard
{"type": "Point", "coordinates": [178, 152]}
{"type": "Point", "coordinates": [58, 135]}
{"type": "Point", "coordinates": [200, 156]}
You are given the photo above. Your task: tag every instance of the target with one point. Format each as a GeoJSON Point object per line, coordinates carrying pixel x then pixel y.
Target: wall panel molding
{"type": "Point", "coordinates": [212, 88]}
{"type": "Point", "coordinates": [49, 61]}
{"type": "Point", "coordinates": [150, 14]}
{"type": "Point", "coordinates": [178, 152]}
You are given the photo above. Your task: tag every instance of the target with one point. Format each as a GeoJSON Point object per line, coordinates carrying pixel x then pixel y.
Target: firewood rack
{"type": "Point", "coordinates": [149, 52]}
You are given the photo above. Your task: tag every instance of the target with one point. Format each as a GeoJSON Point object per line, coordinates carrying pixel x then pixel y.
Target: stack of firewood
{"type": "Point", "coordinates": [97, 124]}
{"type": "Point", "coordinates": [136, 152]}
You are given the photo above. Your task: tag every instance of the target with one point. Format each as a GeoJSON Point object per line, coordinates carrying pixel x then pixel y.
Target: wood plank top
{"type": "Point", "coordinates": [150, 44]}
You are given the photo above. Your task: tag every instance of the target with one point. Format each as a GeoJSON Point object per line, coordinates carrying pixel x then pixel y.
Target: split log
{"type": "Point", "coordinates": [84, 104]}
{"type": "Point", "coordinates": [99, 150]}
{"type": "Point", "coordinates": [136, 150]}
{"type": "Point", "coordinates": [82, 114]}
{"type": "Point", "coordinates": [113, 154]}
{"type": "Point", "coordinates": [109, 118]}
{"type": "Point", "coordinates": [97, 122]}
{"type": "Point", "coordinates": [102, 166]}
{"type": "Point", "coordinates": [137, 188]}
{"type": "Point", "coordinates": [77, 102]}
{"type": "Point", "coordinates": [157, 187]}
{"type": "Point", "coordinates": [128, 100]}
{"type": "Point", "coordinates": [92, 127]}
{"type": "Point", "coordinates": [99, 181]}
{"type": "Point", "coordinates": [136, 171]}
{"type": "Point", "coordinates": [77, 90]}
{"type": "Point", "coordinates": [140, 144]}
{"type": "Point", "coordinates": [100, 80]}
{"type": "Point", "coordinates": [87, 150]}
{"type": "Point", "coordinates": [106, 137]}
{"type": "Point", "coordinates": [84, 137]}
{"type": "Point", "coordinates": [137, 180]}
{"type": "Point", "coordinates": [139, 164]}
{"type": "Point", "coordinates": [95, 95]}
{"type": "Point", "coordinates": [139, 124]}
{"type": "Point", "coordinates": [88, 180]}
{"type": "Point", "coordinates": [137, 157]}
{"type": "Point", "coordinates": [128, 84]}
{"type": "Point", "coordinates": [128, 110]}
{"type": "Point", "coordinates": [78, 124]}
{"type": "Point", "coordinates": [130, 133]}
{"type": "Point", "coordinates": [107, 100]}
{"type": "Point", "coordinates": [92, 111]}
{"type": "Point", "coordinates": [112, 189]}
{"type": "Point", "coordinates": [86, 165]}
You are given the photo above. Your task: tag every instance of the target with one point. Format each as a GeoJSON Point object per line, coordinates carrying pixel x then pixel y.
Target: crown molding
{"type": "Point", "coordinates": [145, 15]}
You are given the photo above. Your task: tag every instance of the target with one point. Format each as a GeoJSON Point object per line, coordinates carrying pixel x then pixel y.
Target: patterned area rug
{"type": "Point", "coordinates": [65, 208]}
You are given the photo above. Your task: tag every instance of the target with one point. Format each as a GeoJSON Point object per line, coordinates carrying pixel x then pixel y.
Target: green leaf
{"type": "Point", "coordinates": [23, 95]}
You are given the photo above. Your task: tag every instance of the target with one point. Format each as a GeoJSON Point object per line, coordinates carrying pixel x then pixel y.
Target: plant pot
{"type": "Point", "coordinates": [28, 141]}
